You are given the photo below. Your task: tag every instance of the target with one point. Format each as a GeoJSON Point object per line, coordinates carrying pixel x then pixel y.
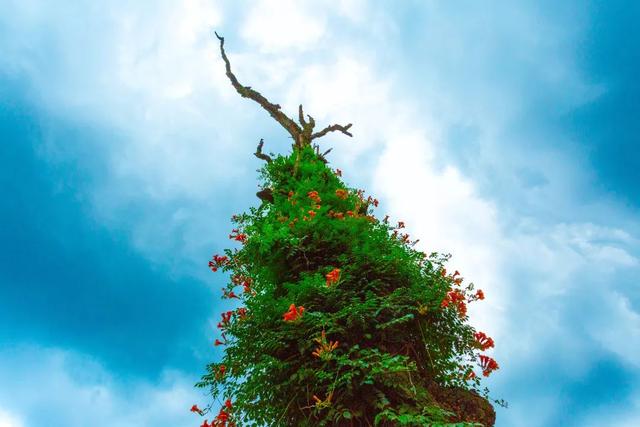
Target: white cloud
{"type": "Point", "coordinates": [49, 386]}
{"type": "Point", "coordinates": [277, 25]}
{"type": "Point", "coordinates": [9, 420]}
{"type": "Point", "coordinates": [620, 333]}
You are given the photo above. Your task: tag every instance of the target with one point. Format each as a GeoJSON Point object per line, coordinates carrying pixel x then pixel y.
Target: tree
{"type": "Point", "coordinates": [344, 322]}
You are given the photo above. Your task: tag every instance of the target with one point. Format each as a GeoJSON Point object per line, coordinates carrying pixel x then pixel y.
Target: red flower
{"type": "Point", "coordinates": [226, 319]}
{"type": "Point", "coordinates": [217, 262]}
{"type": "Point", "coordinates": [229, 294]}
{"type": "Point", "coordinates": [205, 424]}
{"type": "Point", "coordinates": [312, 214]}
{"type": "Point", "coordinates": [488, 365]}
{"type": "Point", "coordinates": [462, 309]}
{"type": "Point", "coordinates": [228, 404]}
{"type": "Point", "coordinates": [400, 224]}
{"type": "Point", "coordinates": [313, 195]}
{"type": "Point", "coordinates": [350, 213]}
{"type": "Point", "coordinates": [333, 276]}
{"type": "Point", "coordinates": [195, 408]}
{"type": "Point", "coordinates": [484, 341]}
{"type": "Point", "coordinates": [221, 419]}
{"type": "Point", "coordinates": [293, 313]}
{"type": "Point", "coordinates": [479, 294]}
{"type": "Point", "coordinates": [457, 298]}
{"type": "Point", "coordinates": [218, 342]}
{"type": "Point", "coordinates": [342, 193]}
{"type": "Point", "coordinates": [240, 237]}
{"type": "Point", "coordinates": [242, 312]}
{"type": "Point", "coordinates": [221, 371]}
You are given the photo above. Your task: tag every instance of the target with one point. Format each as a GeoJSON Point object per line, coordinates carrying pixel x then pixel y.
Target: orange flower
{"type": "Point", "coordinates": [325, 348]}
{"type": "Point", "coordinates": [312, 214]}
{"type": "Point", "coordinates": [293, 314]}
{"type": "Point", "coordinates": [488, 365]}
{"type": "Point", "coordinates": [342, 193]}
{"type": "Point", "coordinates": [462, 309]}
{"type": "Point", "coordinates": [479, 294]}
{"type": "Point", "coordinates": [456, 298]}
{"type": "Point", "coordinates": [313, 195]}
{"type": "Point", "coordinates": [484, 341]}
{"type": "Point", "coordinates": [333, 276]}
{"type": "Point", "coordinates": [323, 403]}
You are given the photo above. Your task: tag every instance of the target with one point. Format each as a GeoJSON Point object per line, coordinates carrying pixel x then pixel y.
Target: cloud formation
{"type": "Point", "coordinates": [504, 137]}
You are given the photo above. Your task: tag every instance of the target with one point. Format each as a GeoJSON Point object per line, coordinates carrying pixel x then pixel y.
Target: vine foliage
{"type": "Point", "coordinates": [341, 321]}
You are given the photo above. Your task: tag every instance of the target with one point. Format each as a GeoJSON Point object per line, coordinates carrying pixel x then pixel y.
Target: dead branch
{"type": "Point", "coordinates": [259, 154]}
{"type": "Point", "coordinates": [246, 92]}
{"type": "Point", "coordinates": [332, 128]}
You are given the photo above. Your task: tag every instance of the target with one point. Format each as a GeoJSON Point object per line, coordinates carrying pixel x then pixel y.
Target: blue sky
{"type": "Point", "coordinates": [505, 133]}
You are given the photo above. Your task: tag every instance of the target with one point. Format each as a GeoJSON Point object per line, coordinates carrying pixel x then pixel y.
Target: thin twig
{"type": "Point", "coordinates": [259, 154]}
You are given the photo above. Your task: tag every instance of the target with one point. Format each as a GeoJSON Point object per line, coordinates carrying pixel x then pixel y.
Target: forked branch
{"type": "Point", "coordinates": [302, 133]}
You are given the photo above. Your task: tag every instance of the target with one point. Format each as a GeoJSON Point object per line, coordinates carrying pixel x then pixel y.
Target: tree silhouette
{"type": "Point", "coordinates": [343, 322]}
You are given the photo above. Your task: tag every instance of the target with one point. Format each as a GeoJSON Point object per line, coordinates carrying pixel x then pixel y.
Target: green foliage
{"type": "Point", "coordinates": [385, 311]}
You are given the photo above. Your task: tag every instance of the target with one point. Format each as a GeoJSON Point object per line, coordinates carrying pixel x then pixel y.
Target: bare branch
{"type": "Point", "coordinates": [322, 156]}
{"type": "Point", "coordinates": [332, 128]}
{"type": "Point", "coordinates": [259, 154]}
{"type": "Point", "coordinates": [247, 92]}
{"type": "Point", "coordinates": [312, 123]}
